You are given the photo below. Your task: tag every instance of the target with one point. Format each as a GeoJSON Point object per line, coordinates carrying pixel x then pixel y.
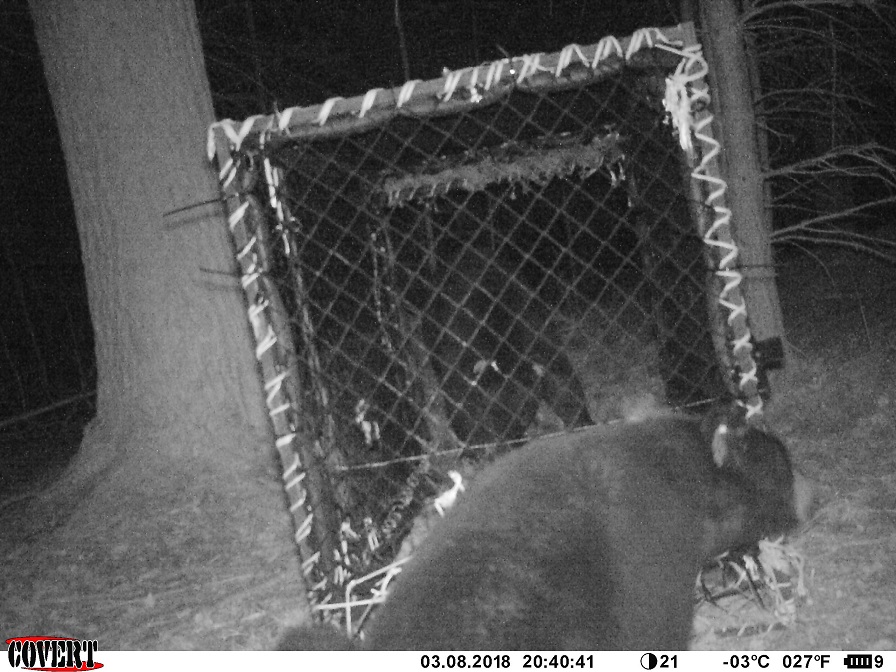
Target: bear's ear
{"type": "Point", "coordinates": [721, 413]}
{"type": "Point", "coordinates": [722, 438]}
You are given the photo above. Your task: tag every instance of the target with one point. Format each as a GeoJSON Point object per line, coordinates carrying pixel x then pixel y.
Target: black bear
{"type": "Point", "coordinates": [589, 541]}
{"type": "Point", "coordinates": [492, 349]}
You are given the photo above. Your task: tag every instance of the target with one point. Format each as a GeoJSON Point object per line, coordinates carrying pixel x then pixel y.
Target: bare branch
{"type": "Point", "coordinates": [881, 160]}
{"type": "Point", "coordinates": [756, 9]}
{"type": "Point", "coordinates": [845, 242]}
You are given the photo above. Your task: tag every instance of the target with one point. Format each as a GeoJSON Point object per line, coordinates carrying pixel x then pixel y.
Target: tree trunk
{"type": "Point", "coordinates": [722, 37]}
{"type": "Point", "coordinates": [175, 480]}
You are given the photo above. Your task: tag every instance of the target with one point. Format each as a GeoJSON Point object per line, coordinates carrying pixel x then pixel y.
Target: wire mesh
{"type": "Point", "coordinates": [431, 287]}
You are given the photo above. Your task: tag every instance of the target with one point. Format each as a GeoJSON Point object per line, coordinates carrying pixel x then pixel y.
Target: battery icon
{"type": "Point", "coordinates": [858, 661]}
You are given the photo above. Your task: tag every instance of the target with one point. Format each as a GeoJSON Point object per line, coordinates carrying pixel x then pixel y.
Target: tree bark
{"type": "Point", "coordinates": [179, 456]}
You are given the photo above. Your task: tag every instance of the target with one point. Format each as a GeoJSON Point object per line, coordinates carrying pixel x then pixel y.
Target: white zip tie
{"type": "Point", "coordinates": [638, 40]}
{"type": "Point", "coordinates": [237, 215]}
{"type": "Point", "coordinates": [742, 343]}
{"type": "Point", "coordinates": [737, 309]}
{"type": "Point", "coordinates": [310, 562]}
{"type": "Point", "coordinates": [452, 79]}
{"type": "Point", "coordinates": [282, 408]}
{"type": "Point", "coordinates": [495, 70]}
{"type": "Point", "coordinates": [227, 173]}
{"type": "Point", "coordinates": [257, 310]}
{"type": "Point", "coordinates": [368, 102]}
{"type": "Point", "coordinates": [295, 506]}
{"type": "Point", "coordinates": [608, 46]}
{"type": "Point", "coordinates": [266, 343]}
{"type": "Point", "coordinates": [246, 249]}
{"type": "Point", "coordinates": [474, 77]}
{"type": "Point", "coordinates": [325, 110]}
{"type": "Point", "coordinates": [732, 280]}
{"type": "Point", "coordinates": [295, 481]}
{"type": "Point", "coordinates": [291, 469]}
{"type": "Point", "coordinates": [284, 117]}
{"type": "Point", "coordinates": [565, 58]}
{"type": "Point", "coordinates": [249, 278]}
{"type": "Point", "coordinates": [275, 383]}
{"type": "Point", "coordinates": [211, 145]}
{"type": "Point", "coordinates": [320, 585]}
{"type": "Point", "coordinates": [237, 135]}
{"type": "Point", "coordinates": [750, 377]}
{"type": "Point", "coordinates": [285, 440]}
{"type": "Point", "coordinates": [227, 126]}
{"type": "Point", "coordinates": [531, 66]}
{"type": "Point", "coordinates": [407, 90]}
